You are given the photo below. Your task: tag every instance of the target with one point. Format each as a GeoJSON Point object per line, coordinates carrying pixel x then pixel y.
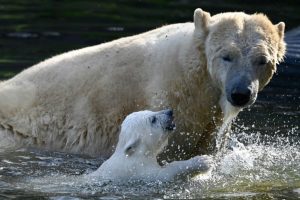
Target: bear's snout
{"type": "Point", "coordinates": [241, 91]}
{"type": "Point", "coordinates": [240, 96]}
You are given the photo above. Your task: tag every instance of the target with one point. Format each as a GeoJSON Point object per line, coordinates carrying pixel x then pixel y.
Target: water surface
{"type": "Point", "coordinates": [260, 169]}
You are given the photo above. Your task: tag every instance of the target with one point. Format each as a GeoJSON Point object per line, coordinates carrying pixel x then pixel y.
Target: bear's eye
{"type": "Point", "coordinates": [262, 60]}
{"type": "Point", "coordinates": [153, 120]}
{"type": "Point", "coordinates": [227, 58]}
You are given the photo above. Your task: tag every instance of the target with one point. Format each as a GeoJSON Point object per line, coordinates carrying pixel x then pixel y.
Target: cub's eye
{"type": "Point", "coordinates": [227, 58]}
{"type": "Point", "coordinates": [153, 120]}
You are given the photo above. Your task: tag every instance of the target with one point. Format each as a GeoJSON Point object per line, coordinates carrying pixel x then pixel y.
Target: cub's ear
{"type": "Point", "coordinates": [131, 147]}
{"type": "Point", "coordinates": [201, 19]}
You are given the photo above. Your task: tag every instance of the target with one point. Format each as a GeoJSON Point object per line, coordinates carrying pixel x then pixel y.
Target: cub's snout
{"type": "Point", "coordinates": [168, 119]}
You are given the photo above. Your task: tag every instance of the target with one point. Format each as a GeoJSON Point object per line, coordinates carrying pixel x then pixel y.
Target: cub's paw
{"type": "Point", "coordinates": [202, 163]}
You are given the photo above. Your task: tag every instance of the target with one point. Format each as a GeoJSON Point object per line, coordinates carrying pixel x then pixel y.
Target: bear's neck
{"type": "Point", "coordinates": [195, 99]}
{"type": "Point", "coordinates": [193, 94]}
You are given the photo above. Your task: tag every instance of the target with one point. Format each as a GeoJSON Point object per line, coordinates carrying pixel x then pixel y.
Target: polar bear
{"type": "Point", "coordinates": [143, 135]}
{"type": "Point", "coordinates": [208, 71]}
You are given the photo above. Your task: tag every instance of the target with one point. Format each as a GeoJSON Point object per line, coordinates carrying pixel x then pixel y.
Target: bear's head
{"type": "Point", "coordinates": [145, 132]}
{"type": "Point", "coordinates": [242, 52]}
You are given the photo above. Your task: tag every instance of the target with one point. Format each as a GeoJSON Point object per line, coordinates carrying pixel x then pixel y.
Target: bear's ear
{"type": "Point", "coordinates": [131, 147]}
{"type": "Point", "coordinates": [280, 28]}
{"type": "Point", "coordinates": [281, 46]}
{"type": "Point", "coordinates": [201, 19]}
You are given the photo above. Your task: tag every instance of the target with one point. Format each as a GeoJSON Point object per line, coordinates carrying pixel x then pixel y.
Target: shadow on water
{"type": "Point", "coordinates": [263, 161]}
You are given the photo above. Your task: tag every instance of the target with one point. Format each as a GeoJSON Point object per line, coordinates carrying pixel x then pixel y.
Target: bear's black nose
{"type": "Point", "coordinates": [240, 97]}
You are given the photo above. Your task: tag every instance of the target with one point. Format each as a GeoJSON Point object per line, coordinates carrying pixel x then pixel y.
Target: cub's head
{"type": "Point", "coordinates": [145, 132]}
{"type": "Point", "coordinates": [242, 52]}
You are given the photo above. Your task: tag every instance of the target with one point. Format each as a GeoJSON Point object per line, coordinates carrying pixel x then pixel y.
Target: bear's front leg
{"type": "Point", "coordinates": [178, 170]}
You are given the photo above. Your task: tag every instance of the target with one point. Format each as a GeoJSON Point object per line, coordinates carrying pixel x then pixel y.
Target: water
{"type": "Point", "coordinates": [263, 168]}
{"type": "Point", "coordinates": [31, 31]}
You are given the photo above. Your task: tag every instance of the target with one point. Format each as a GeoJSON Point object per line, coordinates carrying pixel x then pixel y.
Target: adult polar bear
{"type": "Point", "coordinates": [206, 70]}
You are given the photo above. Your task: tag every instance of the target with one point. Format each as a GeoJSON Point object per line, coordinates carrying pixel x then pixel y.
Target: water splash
{"type": "Point", "coordinates": [258, 170]}
{"type": "Point", "coordinates": [223, 134]}
{"type": "Point", "coordinates": [253, 167]}
{"type": "Point", "coordinates": [230, 113]}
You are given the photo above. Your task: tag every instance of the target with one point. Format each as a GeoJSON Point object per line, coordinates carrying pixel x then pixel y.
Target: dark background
{"type": "Point", "coordinates": [33, 30]}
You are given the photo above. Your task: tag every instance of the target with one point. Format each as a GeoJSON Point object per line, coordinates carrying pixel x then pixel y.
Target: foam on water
{"type": "Point", "coordinates": [258, 169]}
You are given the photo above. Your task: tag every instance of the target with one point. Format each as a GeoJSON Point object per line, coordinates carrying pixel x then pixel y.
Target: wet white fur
{"type": "Point", "coordinates": [141, 164]}
{"type": "Point", "coordinates": [75, 101]}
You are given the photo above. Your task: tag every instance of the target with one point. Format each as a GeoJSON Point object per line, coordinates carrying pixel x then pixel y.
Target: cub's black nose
{"type": "Point", "coordinates": [169, 112]}
{"type": "Point", "coordinates": [170, 125]}
{"type": "Point", "coordinates": [240, 97]}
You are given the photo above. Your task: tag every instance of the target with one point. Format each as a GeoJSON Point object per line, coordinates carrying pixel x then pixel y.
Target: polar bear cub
{"type": "Point", "coordinates": [143, 135]}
